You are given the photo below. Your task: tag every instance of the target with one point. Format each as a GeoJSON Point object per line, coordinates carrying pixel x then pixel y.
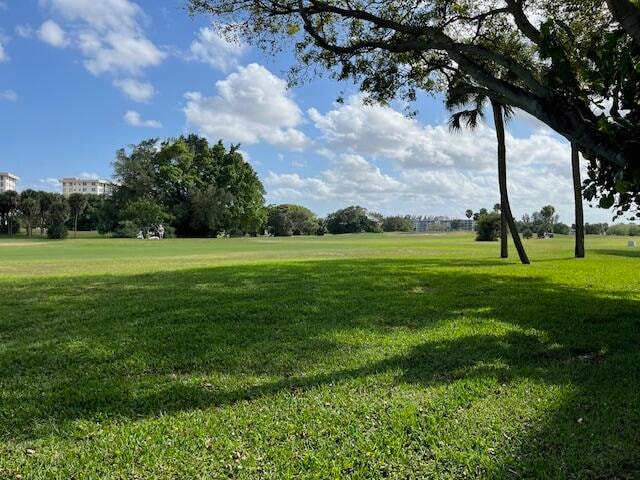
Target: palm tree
{"type": "Point", "coordinates": [577, 193]}
{"type": "Point", "coordinates": [457, 97]}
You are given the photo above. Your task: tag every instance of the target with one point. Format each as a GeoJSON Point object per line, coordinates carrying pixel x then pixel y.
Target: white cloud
{"type": "Point", "coordinates": [9, 95]}
{"type": "Point", "coordinates": [50, 32]}
{"type": "Point", "coordinates": [252, 106]}
{"type": "Point", "coordinates": [4, 57]}
{"type": "Point", "coordinates": [136, 90]}
{"type": "Point", "coordinates": [425, 169]}
{"type": "Point", "coordinates": [109, 34]}
{"type": "Point", "coordinates": [135, 120]}
{"type": "Point", "coordinates": [212, 48]}
{"type": "Point", "coordinates": [24, 31]}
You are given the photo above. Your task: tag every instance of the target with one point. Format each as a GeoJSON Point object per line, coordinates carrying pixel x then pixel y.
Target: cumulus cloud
{"type": "Point", "coordinates": [135, 120]}
{"type": "Point", "coordinates": [211, 48]}
{"type": "Point", "coordinates": [136, 90]}
{"type": "Point", "coordinates": [251, 105]}
{"type": "Point", "coordinates": [8, 95]}
{"type": "Point", "coordinates": [424, 169]}
{"type": "Point", "coordinates": [50, 32]}
{"type": "Point", "coordinates": [109, 34]}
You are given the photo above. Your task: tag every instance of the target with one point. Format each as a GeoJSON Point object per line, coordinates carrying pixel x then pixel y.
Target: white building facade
{"type": "Point", "coordinates": [86, 186]}
{"type": "Point", "coordinates": [442, 224]}
{"type": "Point", "coordinates": [8, 181]}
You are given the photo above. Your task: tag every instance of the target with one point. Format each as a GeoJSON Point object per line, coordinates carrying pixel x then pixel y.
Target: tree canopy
{"type": "Point", "coordinates": [206, 189]}
{"type": "Point", "coordinates": [573, 64]}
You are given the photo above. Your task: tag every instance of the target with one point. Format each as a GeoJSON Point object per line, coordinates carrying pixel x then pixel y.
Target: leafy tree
{"type": "Point", "coordinates": [352, 219]}
{"type": "Point", "coordinates": [456, 224]}
{"type": "Point", "coordinates": [9, 201]}
{"type": "Point", "coordinates": [78, 203]}
{"type": "Point", "coordinates": [57, 215]}
{"type": "Point", "coordinates": [469, 213]}
{"type": "Point", "coordinates": [185, 175]}
{"type": "Point", "coordinates": [145, 214]}
{"type": "Point", "coordinates": [29, 206]}
{"type": "Point", "coordinates": [285, 220]}
{"type": "Point", "coordinates": [527, 233]}
{"type": "Point", "coordinates": [396, 224]}
{"type": "Point", "coordinates": [488, 227]}
{"type": "Point", "coordinates": [561, 229]}
{"type": "Point", "coordinates": [549, 217]}
{"type": "Point", "coordinates": [596, 228]}
{"type": "Point", "coordinates": [583, 54]}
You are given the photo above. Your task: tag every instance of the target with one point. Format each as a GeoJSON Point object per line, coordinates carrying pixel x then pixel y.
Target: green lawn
{"type": "Point", "coordinates": [372, 356]}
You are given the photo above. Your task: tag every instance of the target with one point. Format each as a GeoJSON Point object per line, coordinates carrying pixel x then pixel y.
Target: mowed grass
{"type": "Point", "coordinates": [371, 356]}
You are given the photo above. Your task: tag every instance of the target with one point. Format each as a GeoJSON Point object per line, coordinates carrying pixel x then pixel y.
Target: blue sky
{"type": "Point", "coordinates": [80, 79]}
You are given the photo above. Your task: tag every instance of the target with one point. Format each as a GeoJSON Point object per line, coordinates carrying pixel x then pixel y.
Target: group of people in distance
{"type": "Point", "coordinates": [155, 233]}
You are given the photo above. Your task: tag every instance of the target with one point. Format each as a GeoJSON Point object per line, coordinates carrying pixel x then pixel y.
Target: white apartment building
{"type": "Point", "coordinates": [8, 182]}
{"type": "Point", "coordinates": [87, 186]}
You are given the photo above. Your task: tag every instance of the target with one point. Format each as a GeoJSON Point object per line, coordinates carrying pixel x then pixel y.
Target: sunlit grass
{"type": "Point", "coordinates": [395, 356]}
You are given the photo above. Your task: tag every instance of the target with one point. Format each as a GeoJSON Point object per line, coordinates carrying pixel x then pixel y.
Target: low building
{"type": "Point", "coordinates": [86, 186]}
{"type": "Point", "coordinates": [8, 181]}
{"type": "Point", "coordinates": [442, 224]}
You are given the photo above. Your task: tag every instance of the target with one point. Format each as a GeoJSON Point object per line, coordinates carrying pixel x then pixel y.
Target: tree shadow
{"type": "Point", "coordinates": [92, 348]}
{"type": "Point", "coordinates": [619, 253]}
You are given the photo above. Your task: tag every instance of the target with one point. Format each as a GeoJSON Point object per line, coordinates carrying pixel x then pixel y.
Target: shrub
{"type": "Point", "coordinates": [527, 233]}
{"type": "Point", "coordinates": [561, 229]}
{"type": "Point", "coordinates": [541, 233]}
{"type": "Point", "coordinates": [488, 227]}
{"type": "Point", "coordinates": [57, 231]}
{"type": "Point", "coordinates": [396, 224]}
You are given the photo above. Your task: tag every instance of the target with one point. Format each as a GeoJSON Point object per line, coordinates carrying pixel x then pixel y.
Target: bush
{"type": "Point", "coordinates": [561, 229]}
{"type": "Point", "coordinates": [57, 231]}
{"type": "Point", "coordinates": [527, 233]}
{"type": "Point", "coordinates": [396, 224]}
{"type": "Point", "coordinates": [126, 229]}
{"type": "Point", "coordinates": [488, 227]}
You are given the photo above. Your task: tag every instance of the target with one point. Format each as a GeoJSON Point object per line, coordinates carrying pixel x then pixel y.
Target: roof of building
{"type": "Point", "coordinates": [10, 175]}
{"type": "Point", "coordinates": [79, 179]}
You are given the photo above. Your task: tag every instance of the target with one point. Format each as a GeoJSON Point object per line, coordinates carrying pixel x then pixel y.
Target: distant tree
{"type": "Point", "coordinates": [488, 227]}
{"type": "Point", "coordinates": [527, 233]}
{"type": "Point", "coordinates": [561, 229]}
{"type": "Point", "coordinates": [548, 213]}
{"type": "Point", "coordinates": [456, 224]}
{"type": "Point", "coordinates": [287, 219]}
{"type": "Point", "coordinates": [9, 201]}
{"type": "Point", "coordinates": [145, 214]}
{"type": "Point", "coordinates": [78, 203]}
{"type": "Point", "coordinates": [29, 205]}
{"type": "Point", "coordinates": [57, 215]}
{"type": "Point", "coordinates": [396, 224]}
{"type": "Point", "coordinates": [596, 228]}
{"type": "Point", "coordinates": [469, 213]}
{"type": "Point", "coordinates": [634, 230]}
{"type": "Point", "coordinates": [352, 219]}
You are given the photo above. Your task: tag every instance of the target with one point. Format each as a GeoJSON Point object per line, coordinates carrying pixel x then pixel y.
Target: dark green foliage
{"type": "Point", "coordinates": [207, 189]}
{"type": "Point", "coordinates": [57, 215]}
{"type": "Point", "coordinates": [144, 214]}
{"type": "Point", "coordinates": [488, 227]}
{"type": "Point", "coordinates": [527, 233]}
{"type": "Point", "coordinates": [595, 228]}
{"type": "Point", "coordinates": [352, 219]}
{"type": "Point", "coordinates": [631, 229]}
{"type": "Point", "coordinates": [561, 229]}
{"type": "Point", "coordinates": [8, 209]}
{"type": "Point", "coordinates": [396, 224]}
{"type": "Point", "coordinates": [286, 220]}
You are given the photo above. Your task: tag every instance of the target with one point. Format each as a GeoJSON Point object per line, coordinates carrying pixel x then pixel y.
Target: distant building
{"type": "Point", "coordinates": [442, 224]}
{"type": "Point", "coordinates": [87, 186]}
{"type": "Point", "coordinates": [8, 182]}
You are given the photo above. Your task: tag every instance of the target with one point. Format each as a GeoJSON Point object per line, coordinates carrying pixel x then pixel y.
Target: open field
{"type": "Point", "coordinates": [371, 356]}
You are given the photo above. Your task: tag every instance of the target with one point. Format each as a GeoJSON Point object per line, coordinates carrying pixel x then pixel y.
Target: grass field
{"type": "Point", "coordinates": [372, 356]}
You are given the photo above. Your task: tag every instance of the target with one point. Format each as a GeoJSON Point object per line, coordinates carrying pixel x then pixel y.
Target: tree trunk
{"type": "Point", "coordinates": [75, 226]}
{"type": "Point", "coordinates": [498, 118]}
{"type": "Point", "coordinates": [577, 193]}
{"type": "Point", "coordinates": [504, 231]}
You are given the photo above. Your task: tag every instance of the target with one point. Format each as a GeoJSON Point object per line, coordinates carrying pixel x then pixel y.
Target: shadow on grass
{"type": "Point", "coordinates": [630, 252]}
{"type": "Point", "coordinates": [117, 347]}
